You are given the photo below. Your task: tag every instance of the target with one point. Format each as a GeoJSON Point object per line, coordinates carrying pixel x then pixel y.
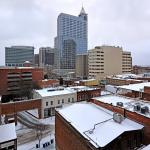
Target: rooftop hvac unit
{"type": "Point", "coordinates": [120, 104]}
{"type": "Point", "coordinates": [144, 110]}
{"type": "Point", "coordinates": [118, 118]}
{"type": "Point", "coordinates": [137, 107]}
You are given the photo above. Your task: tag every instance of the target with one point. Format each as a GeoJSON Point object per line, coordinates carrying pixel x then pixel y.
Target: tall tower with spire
{"type": "Point", "coordinates": [83, 14]}
{"type": "Point", "coordinates": [72, 37]}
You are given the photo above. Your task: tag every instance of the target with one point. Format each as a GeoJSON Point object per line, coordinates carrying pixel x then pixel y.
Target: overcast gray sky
{"type": "Point", "coordinates": [123, 23]}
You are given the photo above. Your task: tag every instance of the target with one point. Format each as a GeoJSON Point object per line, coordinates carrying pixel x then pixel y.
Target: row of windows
{"type": "Point", "coordinates": [95, 72]}
{"type": "Point", "coordinates": [98, 62]}
{"type": "Point", "coordinates": [92, 55]}
{"type": "Point", "coordinates": [96, 68]}
{"type": "Point", "coordinates": [60, 101]}
{"type": "Point", "coordinates": [96, 65]}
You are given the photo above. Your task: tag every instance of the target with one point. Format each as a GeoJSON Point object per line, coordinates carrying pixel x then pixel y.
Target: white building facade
{"type": "Point", "coordinates": [54, 98]}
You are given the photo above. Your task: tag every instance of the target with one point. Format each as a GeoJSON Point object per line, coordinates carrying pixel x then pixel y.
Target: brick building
{"type": "Point", "coordinates": [136, 110]}
{"type": "Point", "coordinates": [85, 93]}
{"type": "Point", "coordinates": [15, 80]}
{"type": "Point", "coordinates": [140, 69]}
{"type": "Point", "coordinates": [140, 90]}
{"type": "Point", "coordinates": [89, 82]}
{"type": "Point", "coordinates": [47, 83]}
{"type": "Point", "coordinates": [86, 126]}
{"type": "Point", "coordinates": [119, 80]}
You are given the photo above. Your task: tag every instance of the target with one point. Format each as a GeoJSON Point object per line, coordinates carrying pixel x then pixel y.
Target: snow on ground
{"type": "Point", "coordinates": [19, 126]}
{"type": "Point", "coordinates": [34, 112]}
{"type": "Point", "coordinates": [32, 145]}
{"type": "Point", "coordinates": [50, 120]}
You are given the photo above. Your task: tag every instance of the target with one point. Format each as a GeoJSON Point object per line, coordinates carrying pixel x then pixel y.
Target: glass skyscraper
{"type": "Point", "coordinates": [16, 56]}
{"type": "Point", "coordinates": [72, 36]}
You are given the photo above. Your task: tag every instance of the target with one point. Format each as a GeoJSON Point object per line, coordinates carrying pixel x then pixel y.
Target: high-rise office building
{"type": "Point", "coordinates": [82, 65]}
{"type": "Point", "coordinates": [108, 60]}
{"type": "Point", "coordinates": [36, 60]}
{"type": "Point", "coordinates": [17, 55]}
{"type": "Point", "coordinates": [71, 39]}
{"type": "Point", "coordinates": [46, 56]}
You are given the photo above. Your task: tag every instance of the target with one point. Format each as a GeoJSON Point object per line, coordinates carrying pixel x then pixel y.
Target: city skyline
{"type": "Point", "coordinates": [119, 23]}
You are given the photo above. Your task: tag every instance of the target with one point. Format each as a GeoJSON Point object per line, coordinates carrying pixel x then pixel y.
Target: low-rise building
{"type": "Point", "coordinates": [134, 109]}
{"type": "Point", "coordinates": [85, 93]}
{"type": "Point", "coordinates": [124, 79]}
{"type": "Point", "coordinates": [139, 90]}
{"type": "Point", "coordinates": [89, 82]}
{"type": "Point", "coordinates": [57, 97]}
{"type": "Point", "coordinates": [86, 126]}
{"type": "Point", "coordinates": [140, 69]}
{"type": "Point", "coordinates": [54, 98]}
{"type": "Point", "coordinates": [48, 83]}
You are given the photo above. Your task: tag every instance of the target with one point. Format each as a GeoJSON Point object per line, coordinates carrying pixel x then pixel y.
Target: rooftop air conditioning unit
{"type": "Point", "coordinates": [120, 104]}
{"type": "Point", "coordinates": [118, 118]}
{"type": "Point", "coordinates": [137, 107]}
{"type": "Point", "coordinates": [144, 110]}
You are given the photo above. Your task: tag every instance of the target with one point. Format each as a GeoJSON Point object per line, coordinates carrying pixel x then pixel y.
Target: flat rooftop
{"type": "Point", "coordinates": [81, 88]}
{"type": "Point", "coordinates": [135, 87]}
{"type": "Point", "coordinates": [125, 76]}
{"type": "Point", "coordinates": [88, 80]}
{"type": "Point", "coordinates": [62, 90]}
{"type": "Point", "coordinates": [7, 132]}
{"type": "Point", "coordinates": [105, 132]}
{"type": "Point", "coordinates": [128, 103]}
{"type": "Point", "coordinates": [54, 91]}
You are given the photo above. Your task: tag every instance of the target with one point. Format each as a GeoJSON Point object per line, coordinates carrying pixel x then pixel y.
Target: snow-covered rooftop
{"type": "Point", "coordinates": [105, 93]}
{"type": "Point", "coordinates": [81, 88]}
{"type": "Point", "coordinates": [83, 117]}
{"type": "Point", "coordinates": [128, 103]}
{"type": "Point", "coordinates": [147, 147]}
{"type": "Point", "coordinates": [88, 80]}
{"type": "Point", "coordinates": [125, 76]}
{"type": "Point", "coordinates": [135, 87]}
{"type": "Point", "coordinates": [7, 132]}
{"type": "Point", "coordinates": [113, 99]}
{"type": "Point", "coordinates": [62, 91]}
{"type": "Point", "coordinates": [50, 92]}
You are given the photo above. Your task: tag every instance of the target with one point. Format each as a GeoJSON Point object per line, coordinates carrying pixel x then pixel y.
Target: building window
{"type": "Point", "coordinates": [69, 100]}
{"type": "Point", "coordinates": [58, 101]}
{"type": "Point", "coordinates": [46, 103]}
{"type": "Point", "coordinates": [51, 102]}
{"type": "Point", "coordinates": [72, 100]}
{"type": "Point", "coordinates": [62, 100]}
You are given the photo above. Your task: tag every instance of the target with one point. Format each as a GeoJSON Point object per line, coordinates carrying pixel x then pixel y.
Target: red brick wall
{"type": "Point", "coordinates": [131, 115]}
{"type": "Point", "coordinates": [67, 138]}
{"type": "Point", "coordinates": [37, 74]}
{"type": "Point", "coordinates": [120, 82]}
{"type": "Point", "coordinates": [47, 83]}
{"type": "Point", "coordinates": [14, 107]}
{"type": "Point", "coordinates": [90, 94]}
{"type": "Point", "coordinates": [147, 89]}
{"type": "Point", "coordinates": [3, 81]}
